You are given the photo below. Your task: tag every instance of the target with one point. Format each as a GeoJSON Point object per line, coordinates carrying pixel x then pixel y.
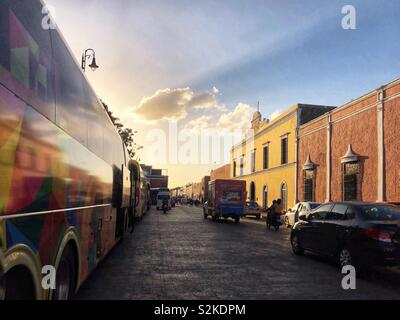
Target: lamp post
{"type": "Point", "coordinates": [89, 53]}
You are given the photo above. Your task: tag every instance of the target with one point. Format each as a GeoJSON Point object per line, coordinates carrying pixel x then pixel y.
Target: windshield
{"type": "Point", "coordinates": [314, 205]}
{"type": "Point", "coordinates": [163, 197]}
{"type": "Point", "coordinates": [252, 204]}
{"type": "Point", "coordinates": [380, 212]}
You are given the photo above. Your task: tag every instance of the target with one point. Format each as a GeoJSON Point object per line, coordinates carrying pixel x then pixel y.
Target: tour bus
{"type": "Point", "coordinates": [65, 187]}
{"type": "Point", "coordinates": [141, 189]}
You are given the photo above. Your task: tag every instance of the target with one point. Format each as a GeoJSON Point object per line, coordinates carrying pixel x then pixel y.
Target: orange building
{"type": "Point", "coordinates": [352, 152]}
{"type": "Point", "coordinates": [223, 172]}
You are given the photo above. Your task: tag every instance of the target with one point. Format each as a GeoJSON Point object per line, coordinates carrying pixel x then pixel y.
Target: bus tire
{"type": "Point", "coordinates": [65, 275]}
{"type": "Point", "coordinates": [17, 284]}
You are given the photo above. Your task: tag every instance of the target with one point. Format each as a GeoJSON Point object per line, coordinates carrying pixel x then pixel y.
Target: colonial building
{"type": "Point", "coordinates": [267, 157]}
{"type": "Point", "coordinates": [352, 152]}
{"type": "Point", "coordinates": [158, 177]}
{"type": "Point", "coordinates": [223, 172]}
{"type": "Point", "coordinates": [204, 188]}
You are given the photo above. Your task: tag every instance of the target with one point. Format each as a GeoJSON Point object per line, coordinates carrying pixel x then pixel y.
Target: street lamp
{"type": "Point", "coordinates": [87, 55]}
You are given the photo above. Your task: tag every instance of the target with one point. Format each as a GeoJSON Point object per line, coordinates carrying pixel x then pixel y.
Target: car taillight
{"type": "Point", "coordinates": [380, 235]}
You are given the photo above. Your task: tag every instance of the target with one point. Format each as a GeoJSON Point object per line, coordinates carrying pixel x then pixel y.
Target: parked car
{"type": "Point", "coordinates": [252, 209]}
{"type": "Point", "coordinates": [353, 233]}
{"type": "Point", "coordinates": [300, 209]}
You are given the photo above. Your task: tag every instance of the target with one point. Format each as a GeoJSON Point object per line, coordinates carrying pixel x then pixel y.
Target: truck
{"type": "Point", "coordinates": [226, 199]}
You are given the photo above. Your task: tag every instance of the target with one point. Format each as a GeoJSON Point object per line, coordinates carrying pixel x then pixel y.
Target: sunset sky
{"type": "Point", "coordinates": [205, 64]}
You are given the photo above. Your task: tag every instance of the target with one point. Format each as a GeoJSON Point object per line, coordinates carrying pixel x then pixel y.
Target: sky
{"type": "Point", "coordinates": [186, 66]}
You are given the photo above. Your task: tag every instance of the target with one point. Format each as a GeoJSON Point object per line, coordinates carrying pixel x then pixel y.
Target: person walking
{"type": "Point", "coordinates": [271, 214]}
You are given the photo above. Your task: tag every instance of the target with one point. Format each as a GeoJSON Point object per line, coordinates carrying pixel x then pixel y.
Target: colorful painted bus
{"type": "Point", "coordinates": [65, 188]}
{"type": "Point", "coordinates": [141, 189]}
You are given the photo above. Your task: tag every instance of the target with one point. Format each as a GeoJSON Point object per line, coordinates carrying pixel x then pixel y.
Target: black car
{"type": "Point", "coordinates": [354, 233]}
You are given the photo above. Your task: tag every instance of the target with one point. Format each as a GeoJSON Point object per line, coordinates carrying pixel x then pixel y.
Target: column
{"type": "Point", "coordinates": [381, 155]}
{"type": "Point", "coordinates": [328, 158]}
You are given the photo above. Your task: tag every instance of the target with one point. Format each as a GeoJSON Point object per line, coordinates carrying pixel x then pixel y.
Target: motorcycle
{"type": "Point", "coordinates": [273, 220]}
{"type": "Point", "coordinates": [165, 207]}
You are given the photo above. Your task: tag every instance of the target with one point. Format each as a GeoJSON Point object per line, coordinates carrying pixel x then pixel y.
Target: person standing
{"type": "Point", "coordinates": [271, 212]}
{"type": "Point", "coordinates": [279, 208]}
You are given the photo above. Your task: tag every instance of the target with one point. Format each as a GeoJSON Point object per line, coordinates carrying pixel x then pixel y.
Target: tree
{"type": "Point", "coordinates": [127, 134]}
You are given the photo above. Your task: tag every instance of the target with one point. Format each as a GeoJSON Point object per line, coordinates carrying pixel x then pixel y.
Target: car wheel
{"type": "Point", "coordinates": [258, 217]}
{"type": "Point", "coordinates": [237, 220]}
{"type": "Point", "coordinates": [297, 249]}
{"type": "Point", "coordinates": [345, 258]}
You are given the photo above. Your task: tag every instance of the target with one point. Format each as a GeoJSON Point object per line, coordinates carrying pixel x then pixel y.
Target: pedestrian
{"type": "Point", "coordinates": [271, 214]}
{"type": "Point", "coordinates": [278, 207]}
{"type": "Point", "coordinates": [278, 210]}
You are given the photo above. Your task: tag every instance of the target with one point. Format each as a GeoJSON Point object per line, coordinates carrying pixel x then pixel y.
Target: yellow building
{"type": "Point", "coordinates": [267, 157]}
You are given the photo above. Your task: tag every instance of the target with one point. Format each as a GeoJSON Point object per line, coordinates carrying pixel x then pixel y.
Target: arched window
{"type": "Point", "coordinates": [350, 181]}
{"type": "Point", "coordinates": [351, 171]}
{"type": "Point", "coordinates": [252, 191]}
{"type": "Point", "coordinates": [284, 196]}
{"type": "Point", "coordinates": [308, 185]}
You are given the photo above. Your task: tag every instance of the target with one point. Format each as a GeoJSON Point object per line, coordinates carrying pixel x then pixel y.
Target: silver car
{"type": "Point", "coordinates": [300, 209]}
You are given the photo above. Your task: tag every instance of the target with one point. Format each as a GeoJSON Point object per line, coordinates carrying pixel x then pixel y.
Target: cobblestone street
{"type": "Point", "coordinates": [182, 256]}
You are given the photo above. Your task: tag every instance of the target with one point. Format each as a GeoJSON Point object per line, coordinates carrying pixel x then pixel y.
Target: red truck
{"type": "Point", "coordinates": [226, 199]}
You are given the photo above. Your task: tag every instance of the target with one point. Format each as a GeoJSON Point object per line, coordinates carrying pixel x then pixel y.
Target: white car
{"type": "Point", "coordinates": [300, 209]}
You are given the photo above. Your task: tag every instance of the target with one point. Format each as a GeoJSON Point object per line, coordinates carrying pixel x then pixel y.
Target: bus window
{"type": "Point", "coordinates": [95, 121]}
{"type": "Point", "coordinates": [71, 99]}
{"type": "Point", "coordinates": [25, 55]}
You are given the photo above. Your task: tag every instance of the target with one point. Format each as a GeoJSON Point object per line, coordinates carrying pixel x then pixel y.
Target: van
{"type": "Point", "coordinates": [161, 197]}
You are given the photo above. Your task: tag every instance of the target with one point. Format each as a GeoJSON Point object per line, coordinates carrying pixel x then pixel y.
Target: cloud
{"type": "Point", "coordinates": [200, 123]}
{"type": "Point", "coordinates": [238, 119]}
{"type": "Point", "coordinates": [174, 104]}
{"type": "Point", "coordinates": [204, 100]}
{"type": "Point", "coordinates": [275, 114]}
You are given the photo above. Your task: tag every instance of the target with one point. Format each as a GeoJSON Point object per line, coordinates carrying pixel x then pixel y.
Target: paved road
{"type": "Point", "coordinates": [183, 256]}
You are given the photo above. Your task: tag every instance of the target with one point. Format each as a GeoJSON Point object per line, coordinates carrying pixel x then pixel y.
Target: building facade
{"type": "Point", "coordinates": [204, 188]}
{"type": "Point", "coordinates": [158, 178]}
{"type": "Point", "coordinates": [267, 158]}
{"type": "Point", "coordinates": [351, 153]}
{"type": "Point", "coordinates": [223, 172]}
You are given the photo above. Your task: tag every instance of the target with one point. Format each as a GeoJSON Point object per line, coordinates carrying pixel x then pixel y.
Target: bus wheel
{"type": "Point", "coordinates": [17, 284]}
{"type": "Point", "coordinates": [65, 277]}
